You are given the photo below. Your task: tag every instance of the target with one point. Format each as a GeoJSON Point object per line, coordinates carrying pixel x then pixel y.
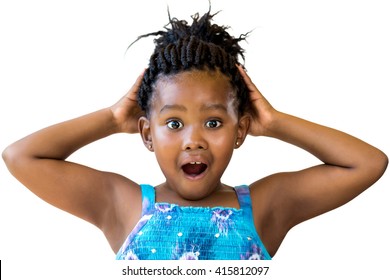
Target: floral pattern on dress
{"type": "Point", "coordinates": [192, 254]}
{"type": "Point", "coordinates": [221, 217]}
{"type": "Point", "coordinates": [254, 253]}
{"type": "Point", "coordinates": [164, 207]}
{"type": "Point", "coordinates": [130, 255]}
{"type": "Point", "coordinates": [189, 256]}
{"type": "Point", "coordinates": [169, 231]}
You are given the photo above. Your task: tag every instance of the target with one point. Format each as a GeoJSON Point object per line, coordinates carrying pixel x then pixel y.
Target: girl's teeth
{"type": "Point", "coordinates": [195, 162]}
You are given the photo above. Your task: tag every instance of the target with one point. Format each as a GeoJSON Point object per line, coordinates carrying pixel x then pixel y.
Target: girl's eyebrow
{"type": "Point", "coordinates": [173, 107]}
{"type": "Point", "coordinates": [213, 106]}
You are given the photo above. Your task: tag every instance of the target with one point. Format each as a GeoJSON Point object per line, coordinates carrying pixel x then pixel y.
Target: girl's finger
{"type": "Point", "coordinates": [134, 89]}
{"type": "Point", "coordinates": [251, 86]}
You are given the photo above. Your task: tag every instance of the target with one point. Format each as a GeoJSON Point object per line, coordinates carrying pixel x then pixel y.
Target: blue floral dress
{"type": "Point", "coordinates": [172, 232]}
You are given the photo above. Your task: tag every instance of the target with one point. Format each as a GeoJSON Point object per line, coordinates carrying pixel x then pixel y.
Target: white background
{"type": "Point", "coordinates": [326, 61]}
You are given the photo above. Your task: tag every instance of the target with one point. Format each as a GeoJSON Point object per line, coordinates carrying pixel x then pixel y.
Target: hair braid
{"type": "Point", "coordinates": [201, 45]}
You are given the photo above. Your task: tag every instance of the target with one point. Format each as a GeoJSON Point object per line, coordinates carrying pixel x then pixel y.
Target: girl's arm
{"type": "Point", "coordinates": [349, 167]}
{"type": "Point", "coordinates": [38, 162]}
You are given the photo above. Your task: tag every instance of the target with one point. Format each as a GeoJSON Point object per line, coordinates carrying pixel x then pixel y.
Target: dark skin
{"type": "Point", "coordinates": [187, 131]}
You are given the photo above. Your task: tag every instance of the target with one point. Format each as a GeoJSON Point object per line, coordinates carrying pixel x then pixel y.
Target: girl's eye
{"type": "Point", "coordinates": [174, 124]}
{"type": "Point", "coordinates": [213, 124]}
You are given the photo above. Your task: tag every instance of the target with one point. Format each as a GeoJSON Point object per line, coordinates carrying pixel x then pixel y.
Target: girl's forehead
{"type": "Point", "coordinates": [193, 87]}
{"type": "Point", "coordinates": [195, 80]}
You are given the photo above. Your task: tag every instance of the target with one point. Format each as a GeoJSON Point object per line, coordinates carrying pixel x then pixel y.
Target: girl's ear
{"type": "Point", "coordinates": [242, 132]}
{"type": "Point", "coordinates": [144, 130]}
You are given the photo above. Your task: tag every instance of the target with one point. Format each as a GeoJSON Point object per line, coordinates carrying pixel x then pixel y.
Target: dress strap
{"type": "Point", "coordinates": [148, 199]}
{"type": "Point", "coordinates": [244, 199]}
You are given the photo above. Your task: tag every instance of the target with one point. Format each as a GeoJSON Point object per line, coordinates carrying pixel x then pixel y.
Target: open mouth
{"type": "Point", "coordinates": [194, 169]}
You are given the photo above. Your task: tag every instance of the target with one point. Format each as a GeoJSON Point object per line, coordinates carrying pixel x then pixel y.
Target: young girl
{"type": "Point", "coordinates": [193, 106]}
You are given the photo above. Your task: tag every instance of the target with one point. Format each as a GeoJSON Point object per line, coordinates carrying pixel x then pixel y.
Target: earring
{"type": "Point", "coordinates": [237, 144]}
{"type": "Point", "coordinates": [150, 146]}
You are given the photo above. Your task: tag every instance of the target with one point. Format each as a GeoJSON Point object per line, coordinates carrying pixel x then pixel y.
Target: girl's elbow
{"type": "Point", "coordinates": [7, 155]}
{"type": "Point", "coordinates": [385, 162]}
{"type": "Point", "coordinates": [378, 164]}
{"type": "Point", "coordinates": [12, 157]}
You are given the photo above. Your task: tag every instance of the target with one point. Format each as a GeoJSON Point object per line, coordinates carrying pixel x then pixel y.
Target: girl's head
{"type": "Point", "coordinates": [199, 46]}
{"type": "Point", "coordinates": [194, 99]}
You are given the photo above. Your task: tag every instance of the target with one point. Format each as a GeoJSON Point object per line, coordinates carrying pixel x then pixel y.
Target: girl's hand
{"type": "Point", "coordinates": [262, 112]}
{"type": "Point", "coordinates": [126, 111]}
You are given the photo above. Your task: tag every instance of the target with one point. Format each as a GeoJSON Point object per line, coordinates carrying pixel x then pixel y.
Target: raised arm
{"type": "Point", "coordinates": [38, 161]}
{"type": "Point", "coordinates": [349, 167]}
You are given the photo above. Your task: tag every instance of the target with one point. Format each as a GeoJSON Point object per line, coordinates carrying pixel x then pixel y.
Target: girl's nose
{"type": "Point", "coordinates": [194, 140]}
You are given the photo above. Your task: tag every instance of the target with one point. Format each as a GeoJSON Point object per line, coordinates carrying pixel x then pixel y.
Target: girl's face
{"type": "Point", "coordinates": [193, 128]}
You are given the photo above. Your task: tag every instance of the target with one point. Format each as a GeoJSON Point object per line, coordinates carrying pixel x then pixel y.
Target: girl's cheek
{"type": "Point", "coordinates": [220, 141]}
{"type": "Point", "coordinates": [166, 138]}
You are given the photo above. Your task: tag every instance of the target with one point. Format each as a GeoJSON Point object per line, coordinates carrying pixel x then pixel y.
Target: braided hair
{"type": "Point", "coordinates": [202, 46]}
